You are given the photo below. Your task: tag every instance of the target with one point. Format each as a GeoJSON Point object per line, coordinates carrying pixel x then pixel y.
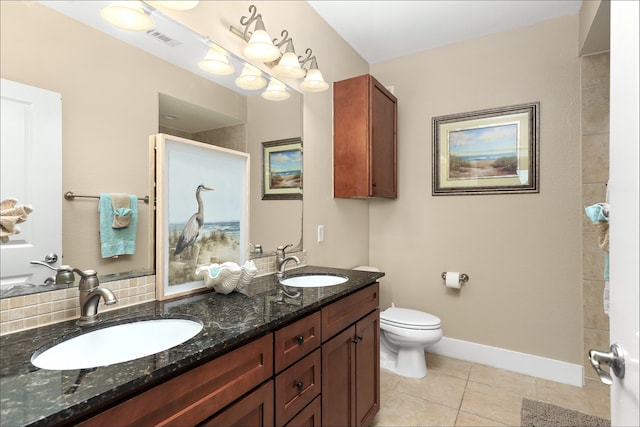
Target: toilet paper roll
{"type": "Point", "coordinates": [452, 280]}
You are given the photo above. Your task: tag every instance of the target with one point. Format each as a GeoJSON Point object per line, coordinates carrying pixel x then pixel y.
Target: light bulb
{"type": "Point", "coordinates": [250, 78]}
{"type": "Point", "coordinates": [289, 66]}
{"type": "Point", "coordinates": [216, 62]}
{"type": "Point", "coordinates": [127, 15]}
{"type": "Point", "coordinates": [276, 91]}
{"type": "Point", "coordinates": [260, 47]}
{"type": "Point", "coordinates": [314, 81]}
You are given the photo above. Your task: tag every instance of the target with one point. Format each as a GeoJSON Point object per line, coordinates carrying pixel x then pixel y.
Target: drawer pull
{"type": "Point", "coordinates": [300, 385]}
{"type": "Point", "coordinates": [300, 340]}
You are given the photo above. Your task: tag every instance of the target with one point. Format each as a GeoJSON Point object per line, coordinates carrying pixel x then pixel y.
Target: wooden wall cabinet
{"type": "Point", "coordinates": [364, 139]}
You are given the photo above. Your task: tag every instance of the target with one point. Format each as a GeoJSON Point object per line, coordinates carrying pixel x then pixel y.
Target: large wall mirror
{"type": "Point", "coordinates": [114, 96]}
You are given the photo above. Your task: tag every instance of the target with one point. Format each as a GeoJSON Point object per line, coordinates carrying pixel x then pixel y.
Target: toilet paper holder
{"type": "Point", "coordinates": [464, 278]}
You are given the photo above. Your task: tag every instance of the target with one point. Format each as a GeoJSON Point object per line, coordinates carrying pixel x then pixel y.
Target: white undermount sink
{"type": "Point", "coordinates": [313, 280]}
{"type": "Point", "coordinates": [116, 344]}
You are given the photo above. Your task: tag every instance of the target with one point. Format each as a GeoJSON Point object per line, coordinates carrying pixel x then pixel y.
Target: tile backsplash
{"type": "Point", "coordinates": [31, 311]}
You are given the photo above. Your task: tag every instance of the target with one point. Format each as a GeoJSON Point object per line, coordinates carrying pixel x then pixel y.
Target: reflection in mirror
{"type": "Point", "coordinates": [113, 95]}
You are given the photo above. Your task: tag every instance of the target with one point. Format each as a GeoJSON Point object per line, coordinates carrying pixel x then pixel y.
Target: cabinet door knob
{"type": "Point", "coordinates": [300, 340]}
{"type": "Point", "coordinates": [299, 385]}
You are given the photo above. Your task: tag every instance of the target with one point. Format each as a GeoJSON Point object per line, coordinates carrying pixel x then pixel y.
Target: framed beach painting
{"type": "Point", "coordinates": [202, 211]}
{"type": "Point", "coordinates": [282, 169]}
{"type": "Point", "coordinates": [491, 151]}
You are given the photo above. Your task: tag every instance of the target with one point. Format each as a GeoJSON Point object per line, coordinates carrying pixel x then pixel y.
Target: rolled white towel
{"type": "Point", "coordinates": [12, 213]}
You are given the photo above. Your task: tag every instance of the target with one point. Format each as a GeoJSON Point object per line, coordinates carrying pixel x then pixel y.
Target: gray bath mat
{"type": "Point", "coordinates": [540, 414]}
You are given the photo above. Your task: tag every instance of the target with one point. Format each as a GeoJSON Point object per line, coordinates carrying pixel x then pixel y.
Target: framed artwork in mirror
{"type": "Point", "coordinates": [202, 211]}
{"type": "Point", "coordinates": [491, 151]}
{"type": "Point", "coordinates": [282, 169]}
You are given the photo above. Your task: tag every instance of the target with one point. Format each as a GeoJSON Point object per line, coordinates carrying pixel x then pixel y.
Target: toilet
{"type": "Point", "coordinates": [404, 334]}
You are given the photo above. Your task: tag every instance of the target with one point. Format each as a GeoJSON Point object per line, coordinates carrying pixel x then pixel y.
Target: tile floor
{"type": "Point", "coordinates": [460, 393]}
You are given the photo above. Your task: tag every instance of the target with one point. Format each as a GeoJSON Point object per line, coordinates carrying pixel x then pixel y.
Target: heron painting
{"type": "Point", "coordinates": [191, 229]}
{"type": "Point", "coordinates": [211, 229]}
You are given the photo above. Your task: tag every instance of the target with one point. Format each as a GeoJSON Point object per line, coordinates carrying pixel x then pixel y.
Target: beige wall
{"type": "Point", "coordinates": [522, 252]}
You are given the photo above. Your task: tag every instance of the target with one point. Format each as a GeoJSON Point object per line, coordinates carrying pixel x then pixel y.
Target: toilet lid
{"type": "Point", "coordinates": [409, 318]}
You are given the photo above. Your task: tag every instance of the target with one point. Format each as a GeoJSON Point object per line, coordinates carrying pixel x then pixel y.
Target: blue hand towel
{"type": "Point", "coordinates": [117, 241]}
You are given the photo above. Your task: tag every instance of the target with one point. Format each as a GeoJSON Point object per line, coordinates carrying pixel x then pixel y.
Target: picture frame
{"type": "Point", "coordinates": [282, 166]}
{"type": "Point", "coordinates": [201, 189]}
{"type": "Point", "coordinates": [493, 151]}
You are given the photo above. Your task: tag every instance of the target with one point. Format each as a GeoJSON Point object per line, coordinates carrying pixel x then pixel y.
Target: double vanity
{"type": "Point", "coordinates": [277, 355]}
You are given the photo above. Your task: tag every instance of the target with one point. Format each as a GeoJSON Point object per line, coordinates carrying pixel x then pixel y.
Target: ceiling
{"type": "Point", "coordinates": [384, 30]}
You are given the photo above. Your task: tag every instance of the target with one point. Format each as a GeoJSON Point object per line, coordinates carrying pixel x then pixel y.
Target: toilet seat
{"type": "Point", "coordinates": [409, 319]}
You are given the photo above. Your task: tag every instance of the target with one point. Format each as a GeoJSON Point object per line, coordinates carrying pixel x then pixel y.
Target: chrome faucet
{"type": "Point", "coordinates": [282, 259]}
{"type": "Point", "coordinates": [90, 294]}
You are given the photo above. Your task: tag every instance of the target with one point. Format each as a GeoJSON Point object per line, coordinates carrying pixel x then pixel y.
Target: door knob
{"type": "Point", "coordinates": [51, 258]}
{"type": "Point", "coordinates": [614, 358]}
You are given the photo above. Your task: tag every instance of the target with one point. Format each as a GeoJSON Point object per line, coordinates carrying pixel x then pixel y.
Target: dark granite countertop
{"type": "Point", "coordinates": [33, 396]}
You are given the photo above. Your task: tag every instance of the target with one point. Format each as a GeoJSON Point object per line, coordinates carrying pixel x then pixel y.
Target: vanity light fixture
{"type": "Point", "coordinates": [289, 65]}
{"type": "Point", "coordinates": [250, 78]}
{"type": "Point", "coordinates": [216, 62]}
{"type": "Point", "coordinates": [276, 91]}
{"type": "Point", "coordinates": [313, 82]}
{"type": "Point", "coordinates": [127, 15]}
{"type": "Point", "coordinates": [259, 47]}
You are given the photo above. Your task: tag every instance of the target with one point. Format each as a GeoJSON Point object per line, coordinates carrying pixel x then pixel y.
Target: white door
{"type": "Point", "coordinates": [31, 168]}
{"type": "Point", "coordinates": [623, 196]}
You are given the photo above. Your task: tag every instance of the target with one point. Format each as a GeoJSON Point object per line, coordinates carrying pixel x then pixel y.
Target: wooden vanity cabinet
{"type": "Point", "coordinates": [322, 369]}
{"type": "Point", "coordinates": [351, 359]}
{"type": "Point", "coordinates": [364, 139]}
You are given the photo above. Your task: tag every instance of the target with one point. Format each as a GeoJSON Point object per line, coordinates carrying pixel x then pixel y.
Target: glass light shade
{"type": "Point", "coordinates": [216, 62]}
{"type": "Point", "coordinates": [276, 91]}
{"type": "Point", "coordinates": [289, 67]}
{"type": "Point", "coordinates": [250, 78]}
{"type": "Point", "coordinates": [314, 82]}
{"type": "Point", "coordinates": [127, 15]}
{"type": "Point", "coordinates": [261, 48]}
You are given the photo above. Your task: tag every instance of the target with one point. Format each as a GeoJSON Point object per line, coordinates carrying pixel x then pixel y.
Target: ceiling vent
{"type": "Point", "coordinates": [163, 38]}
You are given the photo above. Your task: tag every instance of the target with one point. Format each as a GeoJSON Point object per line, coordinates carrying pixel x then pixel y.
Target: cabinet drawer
{"type": "Point", "coordinates": [194, 396]}
{"type": "Point", "coordinates": [253, 410]}
{"type": "Point", "coordinates": [309, 416]}
{"type": "Point", "coordinates": [342, 313]}
{"type": "Point", "coordinates": [297, 386]}
{"type": "Point", "coordinates": [296, 340]}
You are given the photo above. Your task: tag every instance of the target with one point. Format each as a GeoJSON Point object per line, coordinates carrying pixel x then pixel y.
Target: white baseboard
{"type": "Point", "coordinates": [522, 363]}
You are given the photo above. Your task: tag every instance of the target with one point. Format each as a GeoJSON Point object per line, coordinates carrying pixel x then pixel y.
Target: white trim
{"type": "Point", "coordinates": [522, 363]}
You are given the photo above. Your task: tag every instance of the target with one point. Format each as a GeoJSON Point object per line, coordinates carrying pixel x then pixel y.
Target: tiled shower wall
{"type": "Point", "coordinates": [31, 311]}
{"type": "Point", "coordinates": [595, 174]}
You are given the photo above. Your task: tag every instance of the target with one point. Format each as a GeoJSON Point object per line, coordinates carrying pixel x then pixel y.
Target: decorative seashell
{"type": "Point", "coordinates": [249, 271]}
{"type": "Point", "coordinates": [223, 278]}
